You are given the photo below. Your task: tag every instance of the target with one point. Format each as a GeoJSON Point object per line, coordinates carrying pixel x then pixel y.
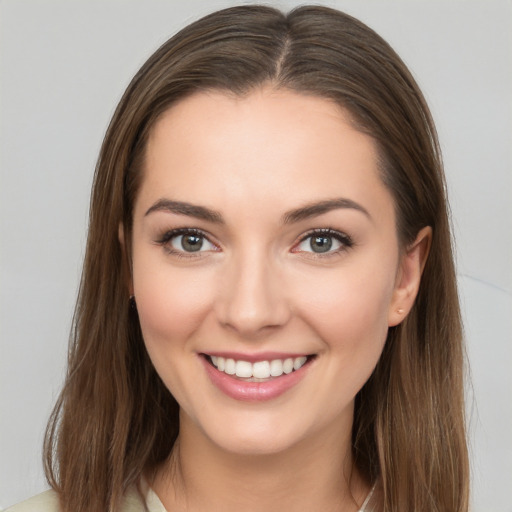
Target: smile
{"type": "Point", "coordinates": [260, 369]}
{"type": "Point", "coordinates": [264, 378]}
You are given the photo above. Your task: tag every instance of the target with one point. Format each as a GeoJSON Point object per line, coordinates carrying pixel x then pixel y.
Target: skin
{"type": "Point", "coordinates": [257, 285]}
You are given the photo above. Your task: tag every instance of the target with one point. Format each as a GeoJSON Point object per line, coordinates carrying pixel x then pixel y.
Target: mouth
{"type": "Point", "coordinates": [259, 371]}
{"type": "Point", "coordinates": [257, 380]}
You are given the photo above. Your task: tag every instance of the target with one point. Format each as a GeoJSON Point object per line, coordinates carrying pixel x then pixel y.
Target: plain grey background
{"type": "Point", "coordinates": [63, 67]}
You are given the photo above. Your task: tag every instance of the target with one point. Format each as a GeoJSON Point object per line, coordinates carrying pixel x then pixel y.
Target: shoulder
{"type": "Point", "coordinates": [133, 503]}
{"type": "Point", "coordinates": [48, 501]}
{"type": "Point", "coordinates": [45, 502]}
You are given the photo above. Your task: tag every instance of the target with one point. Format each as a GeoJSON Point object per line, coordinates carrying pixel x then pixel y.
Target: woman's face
{"type": "Point", "coordinates": [263, 238]}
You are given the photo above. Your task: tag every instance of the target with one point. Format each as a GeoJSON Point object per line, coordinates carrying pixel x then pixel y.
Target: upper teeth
{"type": "Point", "coordinates": [260, 369]}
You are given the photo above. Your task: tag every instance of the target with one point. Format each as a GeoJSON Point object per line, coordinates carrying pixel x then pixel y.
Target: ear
{"type": "Point", "coordinates": [127, 264]}
{"type": "Point", "coordinates": [408, 277]}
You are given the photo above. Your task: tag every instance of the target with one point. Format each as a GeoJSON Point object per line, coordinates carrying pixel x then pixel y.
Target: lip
{"type": "Point", "coordinates": [253, 391]}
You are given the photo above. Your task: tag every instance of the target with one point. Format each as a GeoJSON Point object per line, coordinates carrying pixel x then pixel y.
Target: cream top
{"type": "Point", "coordinates": [48, 502]}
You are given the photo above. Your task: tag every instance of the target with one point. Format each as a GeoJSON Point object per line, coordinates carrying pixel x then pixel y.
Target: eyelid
{"type": "Point", "coordinates": [171, 233]}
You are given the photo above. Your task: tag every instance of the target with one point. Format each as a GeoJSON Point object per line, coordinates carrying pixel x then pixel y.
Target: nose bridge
{"type": "Point", "coordinates": [252, 295]}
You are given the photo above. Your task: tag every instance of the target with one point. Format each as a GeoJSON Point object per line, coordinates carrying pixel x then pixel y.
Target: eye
{"type": "Point", "coordinates": [324, 241]}
{"type": "Point", "coordinates": [186, 241]}
{"type": "Point", "coordinates": [190, 243]}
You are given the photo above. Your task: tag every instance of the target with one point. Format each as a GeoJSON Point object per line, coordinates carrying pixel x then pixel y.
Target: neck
{"type": "Point", "coordinates": [315, 474]}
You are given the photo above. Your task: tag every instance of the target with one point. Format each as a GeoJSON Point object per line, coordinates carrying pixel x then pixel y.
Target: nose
{"type": "Point", "coordinates": [252, 298]}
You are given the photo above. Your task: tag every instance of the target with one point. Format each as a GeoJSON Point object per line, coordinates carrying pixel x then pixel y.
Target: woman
{"type": "Point", "coordinates": [268, 316]}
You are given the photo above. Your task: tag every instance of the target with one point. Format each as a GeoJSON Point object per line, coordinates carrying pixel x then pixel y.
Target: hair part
{"type": "Point", "coordinates": [115, 421]}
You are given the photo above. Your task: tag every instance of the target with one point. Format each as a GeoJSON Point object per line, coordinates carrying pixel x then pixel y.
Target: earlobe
{"type": "Point", "coordinates": [126, 260]}
{"type": "Point", "coordinates": [409, 276]}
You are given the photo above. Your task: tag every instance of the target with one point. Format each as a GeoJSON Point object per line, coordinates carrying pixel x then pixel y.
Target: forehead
{"type": "Point", "coordinates": [271, 146]}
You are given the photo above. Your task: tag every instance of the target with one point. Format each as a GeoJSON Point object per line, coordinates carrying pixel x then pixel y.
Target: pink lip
{"type": "Point", "coordinates": [253, 391]}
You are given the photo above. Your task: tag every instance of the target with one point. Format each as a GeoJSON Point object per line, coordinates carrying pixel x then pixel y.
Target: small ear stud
{"type": "Point", "coordinates": [400, 311]}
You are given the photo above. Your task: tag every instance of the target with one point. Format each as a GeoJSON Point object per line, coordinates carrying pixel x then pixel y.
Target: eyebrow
{"type": "Point", "coordinates": [296, 215]}
{"type": "Point", "coordinates": [183, 208]}
{"type": "Point", "coordinates": [318, 208]}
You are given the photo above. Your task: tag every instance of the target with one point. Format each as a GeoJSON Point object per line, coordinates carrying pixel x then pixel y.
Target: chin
{"type": "Point", "coordinates": [254, 434]}
{"type": "Point", "coordinates": [255, 445]}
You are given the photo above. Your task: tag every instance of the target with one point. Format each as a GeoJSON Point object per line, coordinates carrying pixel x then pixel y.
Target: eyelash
{"type": "Point", "coordinates": [169, 235]}
{"type": "Point", "coordinates": [344, 239]}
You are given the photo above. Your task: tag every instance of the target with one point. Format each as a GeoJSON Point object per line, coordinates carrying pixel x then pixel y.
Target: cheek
{"type": "Point", "coordinates": [350, 319]}
{"type": "Point", "coordinates": [349, 310]}
{"type": "Point", "coordinates": [171, 303]}
{"type": "Point", "coordinates": [171, 306]}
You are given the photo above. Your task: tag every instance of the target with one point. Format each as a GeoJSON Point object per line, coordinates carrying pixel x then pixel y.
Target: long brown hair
{"type": "Point", "coordinates": [115, 420]}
